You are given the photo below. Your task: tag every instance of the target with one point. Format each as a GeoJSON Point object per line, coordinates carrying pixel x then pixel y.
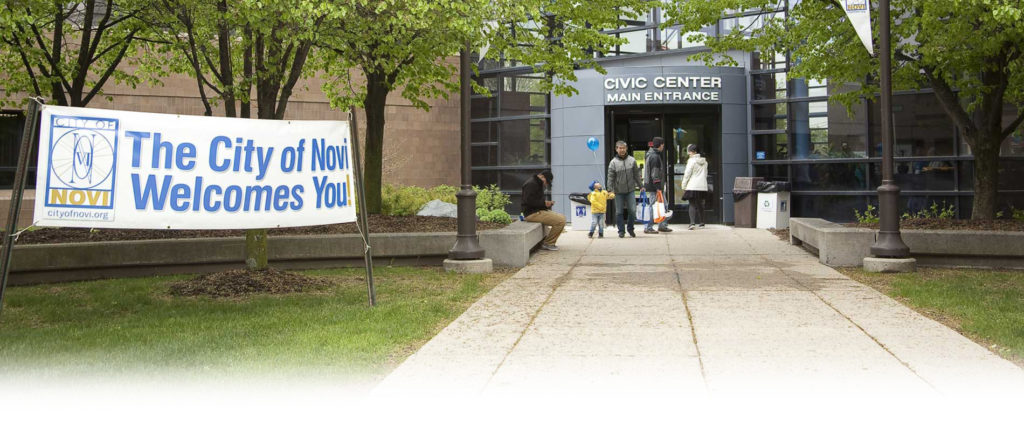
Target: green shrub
{"type": "Point", "coordinates": [403, 200]}
{"type": "Point", "coordinates": [1018, 214]}
{"type": "Point", "coordinates": [399, 200]}
{"type": "Point", "coordinates": [934, 212]}
{"type": "Point", "coordinates": [868, 217]}
{"type": "Point", "coordinates": [444, 193]}
{"type": "Point", "coordinates": [496, 216]}
{"type": "Point", "coordinates": [491, 198]}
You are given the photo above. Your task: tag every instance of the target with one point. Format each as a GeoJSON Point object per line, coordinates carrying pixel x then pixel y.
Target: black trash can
{"type": "Point", "coordinates": [744, 197]}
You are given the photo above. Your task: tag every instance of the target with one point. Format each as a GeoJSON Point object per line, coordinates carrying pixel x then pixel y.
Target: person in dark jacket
{"type": "Point", "coordinates": [654, 180]}
{"type": "Point", "coordinates": [536, 209]}
{"type": "Point", "coordinates": [623, 179]}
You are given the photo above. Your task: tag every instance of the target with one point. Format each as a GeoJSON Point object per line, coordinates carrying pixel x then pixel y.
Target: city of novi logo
{"type": "Point", "coordinates": [856, 5]}
{"type": "Point", "coordinates": [83, 154]}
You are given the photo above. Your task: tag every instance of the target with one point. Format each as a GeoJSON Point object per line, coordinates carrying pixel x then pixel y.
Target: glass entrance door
{"type": "Point", "coordinates": [679, 125]}
{"type": "Point", "coordinates": [701, 128]}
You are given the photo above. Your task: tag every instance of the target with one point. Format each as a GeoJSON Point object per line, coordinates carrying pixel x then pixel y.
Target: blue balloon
{"type": "Point", "coordinates": [593, 144]}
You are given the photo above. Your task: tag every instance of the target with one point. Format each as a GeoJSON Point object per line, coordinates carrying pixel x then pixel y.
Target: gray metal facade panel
{"type": "Point", "coordinates": [557, 154]}
{"type": "Point", "coordinates": [591, 92]}
{"type": "Point", "coordinates": [583, 121]}
{"type": "Point", "coordinates": [734, 119]}
{"type": "Point", "coordinates": [570, 179]}
{"type": "Point", "coordinates": [576, 153]}
{"type": "Point", "coordinates": [734, 148]}
{"type": "Point", "coordinates": [557, 123]}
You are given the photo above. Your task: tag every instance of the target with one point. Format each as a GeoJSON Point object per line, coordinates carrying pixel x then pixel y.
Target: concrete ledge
{"type": "Point", "coordinates": [881, 264]}
{"type": "Point", "coordinates": [838, 245]}
{"type": "Point", "coordinates": [478, 266]}
{"type": "Point", "coordinates": [509, 246]}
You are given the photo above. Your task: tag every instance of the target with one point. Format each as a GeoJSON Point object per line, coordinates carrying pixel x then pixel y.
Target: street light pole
{"type": "Point", "coordinates": [467, 243]}
{"type": "Point", "coordinates": [888, 243]}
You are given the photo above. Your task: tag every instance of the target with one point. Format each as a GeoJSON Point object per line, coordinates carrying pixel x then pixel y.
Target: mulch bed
{"type": "Point", "coordinates": [241, 282]}
{"type": "Point", "coordinates": [951, 224]}
{"type": "Point", "coordinates": [377, 224]}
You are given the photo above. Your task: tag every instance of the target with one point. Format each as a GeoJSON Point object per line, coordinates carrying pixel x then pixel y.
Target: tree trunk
{"type": "Point", "coordinates": [256, 249]}
{"type": "Point", "coordinates": [376, 99]}
{"type": "Point", "coordinates": [986, 176]}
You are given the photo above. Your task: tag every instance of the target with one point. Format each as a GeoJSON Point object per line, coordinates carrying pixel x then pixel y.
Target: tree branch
{"type": "Point", "coordinates": [949, 101]}
{"type": "Point", "coordinates": [1013, 125]}
{"type": "Point", "coordinates": [109, 71]}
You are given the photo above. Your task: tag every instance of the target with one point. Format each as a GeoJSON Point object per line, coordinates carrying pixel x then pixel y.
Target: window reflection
{"type": "Point", "coordinates": [830, 176]}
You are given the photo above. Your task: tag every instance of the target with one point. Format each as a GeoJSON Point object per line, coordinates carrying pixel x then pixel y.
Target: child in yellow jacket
{"type": "Point", "coordinates": [598, 204]}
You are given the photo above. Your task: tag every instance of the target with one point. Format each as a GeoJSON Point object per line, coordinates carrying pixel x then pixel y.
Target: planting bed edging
{"type": "Point", "coordinates": [509, 246]}
{"type": "Point", "coordinates": [838, 245]}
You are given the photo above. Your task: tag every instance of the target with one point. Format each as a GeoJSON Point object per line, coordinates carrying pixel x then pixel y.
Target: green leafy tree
{"type": "Point", "coordinates": [407, 45]}
{"type": "Point", "coordinates": [239, 51]}
{"type": "Point", "coordinates": [967, 51]}
{"type": "Point", "coordinates": [66, 51]}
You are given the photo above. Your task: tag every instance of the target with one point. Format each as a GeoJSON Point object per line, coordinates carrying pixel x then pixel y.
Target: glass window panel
{"type": "Point", "coordinates": [484, 107]}
{"type": "Point", "coordinates": [836, 208]}
{"type": "Point", "coordinates": [776, 172]}
{"type": "Point", "coordinates": [770, 116]}
{"type": "Point", "coordinates": [912, 176]}
{"type": "Point", "coordinates": [524, 142]}
{"type": "Point", "coordinates": [830, 177]}
{"type": "Point", "coordinates": [921, 127]}
{"type": "Point", "coordinates": [515, 205]}
{"type": "Point", "coordinates": [771, 147]}
{"type": "Point", "coordinates": [770, 86]}
{"type": "Point", "coordinates": [834, 134]}
{"type": "Point", "coordinates": [485, 177]}
{"type": "Point", "coordinates": [632, 42]}
{"type": "Point", "coordinates": [1011, 175]}
{"type": "Point", "coordinates": [1013, 146]}
{"type": "Point", "coordinates": [513, 180]}
{"type": "Point", "coordinates": [966, 177]}
{"type": "Point", "coordinates": [485, 155]}
{"type": "Point", "coordinates": [484, 132]}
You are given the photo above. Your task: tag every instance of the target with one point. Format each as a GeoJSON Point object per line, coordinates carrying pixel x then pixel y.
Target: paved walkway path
{"type": "Point", "coordinates": [717, 311]}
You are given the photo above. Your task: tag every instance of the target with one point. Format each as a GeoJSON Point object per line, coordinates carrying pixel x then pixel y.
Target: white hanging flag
{"type": "Point", "coordinates": [859, 13]}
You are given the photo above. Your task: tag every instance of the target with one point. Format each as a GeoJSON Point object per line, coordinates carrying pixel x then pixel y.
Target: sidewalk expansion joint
{"type": "Point", "coordinates": [533, 318]}
{"type": "Point", "coordinates": [862, 330]}
{"type": "Point", "coordinates": [693, 329]}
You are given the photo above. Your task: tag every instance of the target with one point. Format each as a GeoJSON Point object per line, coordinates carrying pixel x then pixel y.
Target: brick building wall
{"type": "Point", "coordinates": [420, 148]}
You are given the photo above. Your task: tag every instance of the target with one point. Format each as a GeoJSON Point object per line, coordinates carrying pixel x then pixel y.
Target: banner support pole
{"type": "Point", "coordinates": [8, 234]}
{"type": "Point", "coordinates": [364, 227]}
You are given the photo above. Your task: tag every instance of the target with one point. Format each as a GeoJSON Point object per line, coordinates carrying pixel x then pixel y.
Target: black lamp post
{"type": "Point", "coordinates": [888, 243]}
{"type": "Point", "coordinates": [467, 243]}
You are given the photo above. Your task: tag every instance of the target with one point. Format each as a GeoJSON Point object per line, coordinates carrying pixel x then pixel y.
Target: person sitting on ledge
{"type": "Point", "coordinates": [536, 209]}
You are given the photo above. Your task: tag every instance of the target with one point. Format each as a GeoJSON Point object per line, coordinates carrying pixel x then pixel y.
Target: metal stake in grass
{"type": "Point", "coordinates": [364, 228]}
{"type": "Point", "coordinates": [28, 135]}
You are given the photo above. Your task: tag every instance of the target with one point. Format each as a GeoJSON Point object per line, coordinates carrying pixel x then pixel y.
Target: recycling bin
{"type": "Point", "coordinates": [773, 205]}
{"type": "Point", "coordinates": [579, 208]}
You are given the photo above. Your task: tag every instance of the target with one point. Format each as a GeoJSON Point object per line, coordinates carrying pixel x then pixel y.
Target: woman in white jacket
{"type": "Point", "coordinates": [695, 185]}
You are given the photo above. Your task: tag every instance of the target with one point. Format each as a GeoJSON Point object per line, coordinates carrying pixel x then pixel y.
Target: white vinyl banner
{"type": "Point", "coordinates": [859, 14]}
{"type": "Point", "coordinates": [120, 169]}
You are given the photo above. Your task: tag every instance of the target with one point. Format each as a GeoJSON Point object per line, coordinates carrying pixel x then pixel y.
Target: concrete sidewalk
{"type": "Point", "coordinates": [718, 311]}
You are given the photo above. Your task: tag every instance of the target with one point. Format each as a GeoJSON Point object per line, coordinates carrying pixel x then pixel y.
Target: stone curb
{"type": "Point", "coordinates": [509, 247]}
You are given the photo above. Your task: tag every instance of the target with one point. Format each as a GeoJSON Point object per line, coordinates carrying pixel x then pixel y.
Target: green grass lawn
{"type": "Point", "coordinates": [985, 305]}
{"type": "Point", "coordinates": [134, 326]}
